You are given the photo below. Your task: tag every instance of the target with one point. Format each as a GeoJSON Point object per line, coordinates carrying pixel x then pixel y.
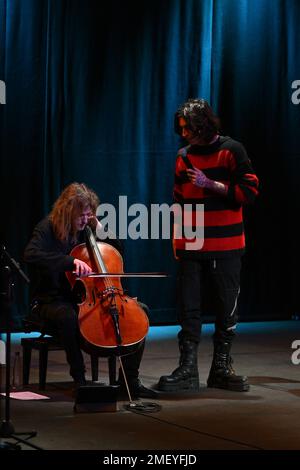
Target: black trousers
{"type": "Point", "coordinates": [211, 284]}
{"type": "Point", "coordinates": [61, 317]}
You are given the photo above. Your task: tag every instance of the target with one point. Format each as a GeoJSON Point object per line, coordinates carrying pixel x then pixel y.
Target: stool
{"type": "Point", "coordinates": [44, 344]}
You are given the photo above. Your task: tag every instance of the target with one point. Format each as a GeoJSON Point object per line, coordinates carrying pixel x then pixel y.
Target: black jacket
{"type": "Point", "coordinates": [49, 259]}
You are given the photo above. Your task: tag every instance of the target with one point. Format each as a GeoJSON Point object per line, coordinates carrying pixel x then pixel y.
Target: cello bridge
{"type": "Point", "coordinates": [109, 292]}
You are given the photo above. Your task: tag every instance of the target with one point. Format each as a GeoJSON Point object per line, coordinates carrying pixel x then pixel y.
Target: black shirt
{"type": "Point", "coordinates": [49, 259]}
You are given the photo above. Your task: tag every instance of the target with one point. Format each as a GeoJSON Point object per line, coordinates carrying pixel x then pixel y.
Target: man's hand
{"type": "Point", "coordinates": [92, 222]}
{"type": "Point", "coordinates": [81, 268]}
{"type": "Point", "coordinates": [198, 178]}
{"type": "Point", "coordinates": [95, 224]}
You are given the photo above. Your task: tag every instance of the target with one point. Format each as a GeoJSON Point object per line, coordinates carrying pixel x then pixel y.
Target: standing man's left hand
{"type": "Point", "coordinates": [198, 178]}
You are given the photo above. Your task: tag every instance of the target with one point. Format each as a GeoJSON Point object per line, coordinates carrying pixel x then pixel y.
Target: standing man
{"type": "Point", "coordinates": [215, 171]}
{"type": "Point", "coordinates": [48, 254]}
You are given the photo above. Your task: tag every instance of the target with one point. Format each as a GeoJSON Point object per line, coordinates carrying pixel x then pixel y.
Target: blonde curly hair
{"type": "Point", "coordinates": [73, 200]}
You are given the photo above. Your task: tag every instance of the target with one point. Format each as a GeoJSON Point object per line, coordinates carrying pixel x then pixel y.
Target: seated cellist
{"type": "Point", "coordinates": [48, 254]}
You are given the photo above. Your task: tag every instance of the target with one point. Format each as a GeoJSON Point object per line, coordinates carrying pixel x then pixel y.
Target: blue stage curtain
{"type": "Point", "coordinates": [92, 88]}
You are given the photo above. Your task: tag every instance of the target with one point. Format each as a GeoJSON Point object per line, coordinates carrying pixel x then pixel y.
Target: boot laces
{"type": "Point", "coordinates": [230, 366]}
{"type": "Point", "coordinates": [224, 361]}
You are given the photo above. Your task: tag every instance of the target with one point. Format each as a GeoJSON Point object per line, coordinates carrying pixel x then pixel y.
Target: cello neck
{"type": "Point", "coordinates": [94, 247]}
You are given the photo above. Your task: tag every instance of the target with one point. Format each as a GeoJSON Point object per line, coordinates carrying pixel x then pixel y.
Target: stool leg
{"type": "Point", "coordinates": [112, 369]}
{"type": "Point", "coordinates": [43, 362]}
{"type": "Point", "coordinates": [26, 363]}
{"type": "Point", "coordinates": [94, 367]}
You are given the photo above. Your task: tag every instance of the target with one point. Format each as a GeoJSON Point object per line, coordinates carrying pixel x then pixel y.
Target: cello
{"type": "Point", "coordinates": [110, 321]}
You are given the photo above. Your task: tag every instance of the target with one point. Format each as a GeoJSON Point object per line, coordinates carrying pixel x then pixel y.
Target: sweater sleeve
{"type": "Point", "coordinates": [43, 250]}
{"type": "Point", "coordinates": [180, 176]}
{"type": "Point", "coordinates": [243, 187]}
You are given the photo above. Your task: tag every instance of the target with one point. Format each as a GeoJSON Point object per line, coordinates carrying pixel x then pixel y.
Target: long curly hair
{"type": "Point", "coordinates": [73, 200]}
{"type": "Point", "coordinates": [199, 117]}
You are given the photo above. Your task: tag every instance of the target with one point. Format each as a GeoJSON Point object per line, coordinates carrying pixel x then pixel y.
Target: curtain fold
{"type": "Point", "coordinates": [92, 88]}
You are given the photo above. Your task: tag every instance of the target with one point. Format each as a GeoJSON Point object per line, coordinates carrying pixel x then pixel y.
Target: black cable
{"type": "Point", "coordinates": [144, 406]}
{"type": "Point", "coordinates": [215, 436]}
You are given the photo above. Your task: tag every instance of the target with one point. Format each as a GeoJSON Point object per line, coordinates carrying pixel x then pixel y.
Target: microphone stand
{"type": "Point", "coordinates": [7, 428]}
{"type": "Point", "coordinates": [13, 262]}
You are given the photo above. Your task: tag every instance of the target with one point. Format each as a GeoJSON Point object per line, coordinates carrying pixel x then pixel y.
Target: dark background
{"type": "Point", "coordinates": [91, 90]}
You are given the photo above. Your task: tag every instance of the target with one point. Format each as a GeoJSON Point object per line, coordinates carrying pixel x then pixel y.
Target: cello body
{"type": "Point", "coordinates": [101, 298]}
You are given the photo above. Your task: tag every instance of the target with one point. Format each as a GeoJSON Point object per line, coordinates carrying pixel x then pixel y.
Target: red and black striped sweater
{"type": "Point", "coordinates": [226, 161]}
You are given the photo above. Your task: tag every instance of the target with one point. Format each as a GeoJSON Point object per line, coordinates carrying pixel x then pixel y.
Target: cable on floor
{"type": "Point", "coordinates": [144, 406]}
{"type": "Point", "coordinates": [187, 428]}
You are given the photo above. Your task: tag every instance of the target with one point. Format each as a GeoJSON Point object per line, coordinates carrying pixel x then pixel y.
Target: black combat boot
{"type": "Point", "coordinates": [185, 377]}
{"type": "Point", "coordinates": [221, 373]}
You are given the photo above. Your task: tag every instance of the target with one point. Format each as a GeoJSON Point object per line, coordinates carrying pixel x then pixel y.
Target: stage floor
{"type": "Point", "coordinates": [267, 417]}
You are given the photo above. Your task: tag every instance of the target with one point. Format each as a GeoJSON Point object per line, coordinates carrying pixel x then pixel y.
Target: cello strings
{"type": "Point", "coordinates": [108, 283]}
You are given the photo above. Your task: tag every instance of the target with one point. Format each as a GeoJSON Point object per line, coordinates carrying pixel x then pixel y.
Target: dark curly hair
{"type": "Point", "coordinates": [199, 117]}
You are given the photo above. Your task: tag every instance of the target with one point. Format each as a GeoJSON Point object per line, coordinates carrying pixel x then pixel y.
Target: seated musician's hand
{"type": "Point", "coordinates": [96, 226]}
{"type": "Point", "coordinates": [81, 268]}
{"type": "Point", "coordinates": [93, 222]}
